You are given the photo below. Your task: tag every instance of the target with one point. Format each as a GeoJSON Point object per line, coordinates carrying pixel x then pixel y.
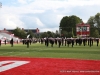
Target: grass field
{"type": "Point", "coordinates": [40, 50]}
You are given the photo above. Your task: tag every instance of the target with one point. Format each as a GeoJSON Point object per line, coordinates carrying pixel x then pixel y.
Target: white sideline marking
{"type": "Point", "coordinates": [14, 54]}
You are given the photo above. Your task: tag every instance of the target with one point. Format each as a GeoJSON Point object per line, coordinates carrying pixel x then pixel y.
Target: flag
{"type": "Point", "coordinates": [28, 36]}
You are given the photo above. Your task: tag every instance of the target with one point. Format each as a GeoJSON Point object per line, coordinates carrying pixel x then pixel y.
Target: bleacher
{"type": "Point", "coordinates": [8, 36]}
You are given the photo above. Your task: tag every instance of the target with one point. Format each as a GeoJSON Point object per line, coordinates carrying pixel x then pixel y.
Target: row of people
{"type": "Point", "coordinates": [60, 41]}
{"type": "Point", "coordinates": [68, 41]}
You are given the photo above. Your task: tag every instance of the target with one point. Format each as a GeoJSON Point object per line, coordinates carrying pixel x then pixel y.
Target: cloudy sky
{"type": "Point", "coordinates": [44, 14]}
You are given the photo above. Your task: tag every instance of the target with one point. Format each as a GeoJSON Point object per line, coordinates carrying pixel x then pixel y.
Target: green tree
{"type": "Point", "coordinates": [68, 24]}
{"type": "Point", "coordinates": [50, 34]}
{"type": "Point", "coordinates": [56, 34]}
{"type": "Point", "coordinates": [64, 33]}
{"type": "Point", "coordinates": [96, 33]}
{"type": "Point", "coordinates": [92, 25]}
{"type": "Point", "coordinates": [97, 20]}
{"type": "Point", "coordinates": [19, 33]}
{"type": "Point", "coordinates": [47, 34]}
{"type": "Point", "coordinates": [94, 22]}
{"type": "Point", "coordinates": [43, 35]}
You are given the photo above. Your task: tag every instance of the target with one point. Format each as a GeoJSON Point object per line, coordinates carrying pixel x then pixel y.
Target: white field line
{"type": "Point", "coordinates": [24, 52]}
{"type": "Point", "coordinates": [19, 54]}
{"type": "Point", "coordinates": [37, 49]}
{"type": "Point", "coordinates": [12, 53]}
{"type": "Point", "coordinates": [6, 53]}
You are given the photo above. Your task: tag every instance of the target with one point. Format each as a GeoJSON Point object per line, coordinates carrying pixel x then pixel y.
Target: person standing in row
{"type": "Point", "coordinates": [59, 42]}
{"type": "Point", "coordinates": [11, 42]}
{"type": "Point", "coordinates": [5, 41]}
{"type": "Point", "coordinates": [0, 42]}
{"type": "Point", "coordinates": [84, 41]}
{"type": "Point", "coordinates": [72, 41]}
{"type": "Point", "coordinates": [47, 41]}
{"type": "Point", "coordinates": [97, 41]}
{"type": "Point", "coordinates": [90, 42]}
{"type": "Point", "coordinates": [27, 43]}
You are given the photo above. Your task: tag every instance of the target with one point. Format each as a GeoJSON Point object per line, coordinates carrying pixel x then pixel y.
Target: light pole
{"type": "Point", "coordinates": [0, 5]}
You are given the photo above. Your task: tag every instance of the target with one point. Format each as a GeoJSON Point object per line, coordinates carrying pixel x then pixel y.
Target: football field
{"type": "Point", "coordinates": [40, 50]}
{"type": "Point", "coordinates": [41, 60]}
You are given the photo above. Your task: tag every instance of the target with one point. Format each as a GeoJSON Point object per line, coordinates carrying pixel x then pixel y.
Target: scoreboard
{"type": "Point", "coordinates": [83, 30]}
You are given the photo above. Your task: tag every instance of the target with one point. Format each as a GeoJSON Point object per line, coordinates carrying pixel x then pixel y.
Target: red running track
{"type": "Point", "coordinates": [48, 66]}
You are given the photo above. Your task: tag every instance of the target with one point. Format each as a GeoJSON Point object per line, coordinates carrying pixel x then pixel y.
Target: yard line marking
{"type": "Point", "coordinates": [19, 54]}
{"type": "Point", "coordinates": [6, 53]}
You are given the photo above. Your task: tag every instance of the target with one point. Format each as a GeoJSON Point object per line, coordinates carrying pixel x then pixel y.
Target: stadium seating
{"type": "Point", "coordinates": [8, 37]}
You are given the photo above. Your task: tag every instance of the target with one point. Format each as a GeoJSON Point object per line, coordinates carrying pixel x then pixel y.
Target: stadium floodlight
{"type": "Point", "coordinates": [0, 5]}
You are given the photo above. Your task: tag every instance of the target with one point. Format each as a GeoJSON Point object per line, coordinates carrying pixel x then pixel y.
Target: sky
{"type": "Point", "coordinates": [44, 14]}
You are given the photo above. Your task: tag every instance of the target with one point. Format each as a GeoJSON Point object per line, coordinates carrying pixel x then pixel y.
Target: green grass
{"type": "Point", "coordinates": [38, 50]}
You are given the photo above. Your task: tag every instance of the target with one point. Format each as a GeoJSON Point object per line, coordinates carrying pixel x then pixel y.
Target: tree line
{"type": "Point", "coordinates": [23, 34]}
{"type": "Point", "coordinates": [67, 28]}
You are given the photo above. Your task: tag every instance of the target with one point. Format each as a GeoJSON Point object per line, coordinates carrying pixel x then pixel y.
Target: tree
{"type": "Point", "coordinates": [47, 34]}
{"type": "Point", "coordinates": [94, 22]}
{"type": "Point", "coordinates": [43, 35]}
{"type": "Point", "coordinates": [96, 33]}
{"type": "Point", "coordinates": [20, 33]}
{"type": "Point", "coordinates": [56, 34]}
{"type": "Point", "coordinates": [50, 34]}
{"type": "Point", "coordinates": [68, 24]}
{"type": "Point", "coordinates": [92, 25]}
{"type": "Point", "coordinates": [65, 33]}
{"type": "Point", "coordinates": [97, 20]}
